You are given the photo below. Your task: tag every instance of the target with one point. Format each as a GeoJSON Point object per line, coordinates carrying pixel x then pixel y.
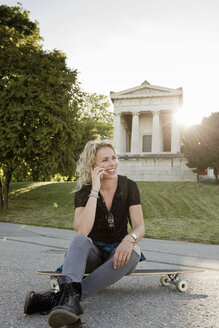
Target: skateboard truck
{"type": "Point", "coordinates": [181, 285]}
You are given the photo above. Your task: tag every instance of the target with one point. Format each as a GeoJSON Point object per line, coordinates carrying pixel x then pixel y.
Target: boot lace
{"type": "Point", "coordinates": [66, 293]}
{"type": "Point", "coordinates": [49, 301]}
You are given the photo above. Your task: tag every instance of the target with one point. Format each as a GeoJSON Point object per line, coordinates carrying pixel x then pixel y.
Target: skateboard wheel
{"type": "Point", "coordinates": [182, 285]}
{"type": "Point", "coordinates": [165, 280]}
{"type": "Point", "coordinates": [54, 284]}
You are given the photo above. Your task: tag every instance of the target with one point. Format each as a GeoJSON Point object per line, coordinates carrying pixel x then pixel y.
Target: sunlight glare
{"type": "Point", "coordinates": [187, 117]}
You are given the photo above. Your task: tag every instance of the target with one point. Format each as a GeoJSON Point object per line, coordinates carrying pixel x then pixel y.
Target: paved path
{"type": "Point", "coordinates": [131, 302]}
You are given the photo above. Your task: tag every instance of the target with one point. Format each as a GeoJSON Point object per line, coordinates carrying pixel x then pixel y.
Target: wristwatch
{"type": "Point", "coordinates": [133, 235]}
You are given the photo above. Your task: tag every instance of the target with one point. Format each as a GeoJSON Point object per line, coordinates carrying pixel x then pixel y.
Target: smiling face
{"type": "Point", "coordinates": [107, 159]}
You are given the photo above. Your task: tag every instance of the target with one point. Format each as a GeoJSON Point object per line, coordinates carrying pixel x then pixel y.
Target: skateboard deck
{"type": "Point", "coordinates": [168, 276]}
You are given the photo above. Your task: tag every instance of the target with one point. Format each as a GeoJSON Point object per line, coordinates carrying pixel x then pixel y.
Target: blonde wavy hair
{"type": "Point", "coordinates": [87, 160]}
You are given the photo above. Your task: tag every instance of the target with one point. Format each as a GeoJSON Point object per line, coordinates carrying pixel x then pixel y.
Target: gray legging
{"type": "Point", "coordinates": [84, 256]}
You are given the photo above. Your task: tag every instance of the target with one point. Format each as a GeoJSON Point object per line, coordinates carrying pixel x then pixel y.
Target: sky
{"type": "Point", "coordinates": [118, 44]}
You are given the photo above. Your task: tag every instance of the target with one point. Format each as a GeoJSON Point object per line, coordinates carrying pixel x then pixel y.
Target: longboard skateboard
{"type": "Point", "coordinates": [168, 276]}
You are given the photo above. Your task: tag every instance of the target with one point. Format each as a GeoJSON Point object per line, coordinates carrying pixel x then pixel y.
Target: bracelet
{"type": "Point", "coordinates": [93, 195]}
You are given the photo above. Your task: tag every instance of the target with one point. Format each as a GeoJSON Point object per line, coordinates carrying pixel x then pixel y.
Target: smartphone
{"type": "Point", "coordinates": [101, 176]}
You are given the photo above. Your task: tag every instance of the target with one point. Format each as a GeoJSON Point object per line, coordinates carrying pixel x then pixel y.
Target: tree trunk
{"type": "Point", "coordinates": [6, 188]}
{"type": "Point", "coordinates": [35, 175]}
{"type": "Point", "coordinates": [1, 195]}
{"type": "Point", "coordinates": [216, 174]}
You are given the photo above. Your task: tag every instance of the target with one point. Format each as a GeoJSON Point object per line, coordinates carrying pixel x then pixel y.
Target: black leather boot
{"type": "Point", "coordinates": [41, 302]}
{"type": "Point", "coordinates": [68, 311]}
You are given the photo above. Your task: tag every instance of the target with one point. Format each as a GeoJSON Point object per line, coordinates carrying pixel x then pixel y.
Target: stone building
{"type": "Point", "coordinates": [146, 134]}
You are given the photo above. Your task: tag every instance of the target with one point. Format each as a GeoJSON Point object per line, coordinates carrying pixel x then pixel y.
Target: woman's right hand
{"type": "Point", "coordinates": [96, 176]}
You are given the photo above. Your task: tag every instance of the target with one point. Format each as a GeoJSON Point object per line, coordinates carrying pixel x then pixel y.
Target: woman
{"type": "Point", "coordinates": [102, 246]}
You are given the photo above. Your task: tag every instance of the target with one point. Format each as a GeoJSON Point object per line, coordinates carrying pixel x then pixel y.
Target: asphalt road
{"type": "Point", "coordinates": [131, 302]}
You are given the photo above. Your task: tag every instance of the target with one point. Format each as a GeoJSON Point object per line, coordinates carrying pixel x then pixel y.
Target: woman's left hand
{"type": "Point", "coordinates": [122, 254]}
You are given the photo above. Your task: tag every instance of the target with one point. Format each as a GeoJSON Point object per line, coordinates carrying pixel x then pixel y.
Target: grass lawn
{"type": "Point", "coordinates": [186, 211]}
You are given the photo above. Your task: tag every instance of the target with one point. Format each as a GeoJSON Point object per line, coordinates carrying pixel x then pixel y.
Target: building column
{"type": "Point", "coordinates": [175, 135]}
{"type": "Point", "coordinates": [117, 131]}
{"type": "Point", "coordinates": [124, 135]}
{"type": "Point", "coordinates": [135, 133]}
{"type": "Point", "coordinates": [156, 132]}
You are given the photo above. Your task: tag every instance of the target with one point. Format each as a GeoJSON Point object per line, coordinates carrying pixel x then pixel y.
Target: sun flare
{"type": "Point", "coordinates": [187, 117]}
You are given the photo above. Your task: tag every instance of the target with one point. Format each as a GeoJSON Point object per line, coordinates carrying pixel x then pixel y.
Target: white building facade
{"type": "Point", "coordinates": [146, 134]}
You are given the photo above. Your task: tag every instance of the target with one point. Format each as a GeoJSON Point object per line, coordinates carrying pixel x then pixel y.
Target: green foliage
{"type": "Point", "coordinates": [96, 116]}
{"type": "Point", "coordinates": [16, 28]}
{"type": "Point", "coordinates": [201, 145]}
{"type": "Point", "coordinates": [192, 148]}
{"type": "Point", "coordinates": [38, 107]}
{"type": "Point", "coordinates": [38, 119]}
{"type": "Point", "coordinates": [95, 119]}
{"type": "Point", "coordinates": [45, 118]}
{"type": "Point", "coordinates": [210, 127]}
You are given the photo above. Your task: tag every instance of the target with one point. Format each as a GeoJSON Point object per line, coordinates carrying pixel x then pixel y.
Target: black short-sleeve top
{"type": "Point", "coordinates": [122, 200]}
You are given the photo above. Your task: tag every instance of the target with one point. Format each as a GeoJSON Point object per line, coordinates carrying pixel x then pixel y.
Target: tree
{"type": "Point", "coordinates": [15, 29]}
{"type": "Point", "coordinates": [201, 145]}
{"type": "Point", "coordinates": [38, 102]}
{"type": "Point", "coordinates": [95, 121]}
{"type": "Point", "coordinates": [45, 118]}
{"type": "Point", "coordinates": [96, 114]}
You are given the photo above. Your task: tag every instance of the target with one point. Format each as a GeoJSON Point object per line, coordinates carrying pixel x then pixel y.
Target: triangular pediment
{"type": "Point", "coordinates": [142, 91]}
{"type": "Point", "coordinates": [146, 90]}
